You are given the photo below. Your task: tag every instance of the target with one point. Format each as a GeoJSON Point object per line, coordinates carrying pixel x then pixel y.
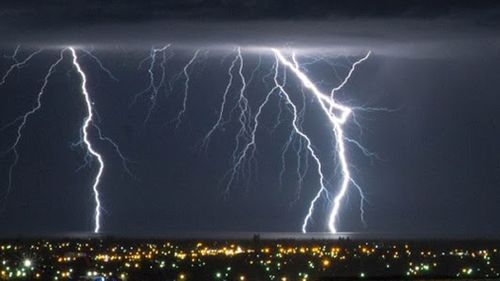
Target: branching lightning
{"type": "Point", "coordinates": [336, 113]}
{"type": "Point", "coordinates": [309, 146]}
{"type": "Point", "coordinates": [88, 122]}
{"type": "Point", "coordinates": [23, 120]}
{"type": "Point", "coordinates": [235, 105]}
{"type": "Point", "coordinates": [220, 119]}
{"type": "Point", "coordinates": [329, 106]}
{"type": "Point", "coordinates": [155, 84]}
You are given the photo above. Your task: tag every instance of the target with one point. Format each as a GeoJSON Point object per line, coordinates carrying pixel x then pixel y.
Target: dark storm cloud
{"type": "Point", "coordinates": [387, 27]}
{"type": "Point", "coordinates": [81, 11]}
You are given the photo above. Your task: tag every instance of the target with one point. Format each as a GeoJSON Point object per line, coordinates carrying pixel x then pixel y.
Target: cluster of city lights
{"type": "Point", "coordinates": [242, 260]}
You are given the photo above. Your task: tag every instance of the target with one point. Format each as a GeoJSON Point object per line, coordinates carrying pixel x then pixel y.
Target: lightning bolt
{"type": "Point", "coordinates": [85, 127]}
{"type": "Point", "coordinates": [185, 72]}
{"type": "Point", "coordinates": [220, 120]}
{"type": "Point", "coordinates": [155, 84]}
{"type": "Point", "coordinates": [24, 118]}
{"type": "Point", "coordinates": [87, 124]}
{"type": "Point", "coordinates": [329, 107]}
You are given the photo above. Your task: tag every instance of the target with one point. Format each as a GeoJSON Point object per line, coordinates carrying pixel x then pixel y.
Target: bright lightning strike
{"type": "Point", "coordinates": [328, 105]}
{"type": "Point", "coordinates": [86, 124]}
{"type": "Point", "coordinates": [246, 145]}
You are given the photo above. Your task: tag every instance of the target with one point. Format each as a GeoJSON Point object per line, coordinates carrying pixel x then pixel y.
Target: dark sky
{"type": "Point", "coordinates": [436, 64]}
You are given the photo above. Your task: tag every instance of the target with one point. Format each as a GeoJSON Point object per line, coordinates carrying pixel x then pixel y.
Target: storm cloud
{"type": "Point", "coordinates": [418, 28]}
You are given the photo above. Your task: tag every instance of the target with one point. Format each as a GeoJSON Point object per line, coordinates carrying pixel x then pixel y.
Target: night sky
{"type": "Point", "coordinates": [435, 68]}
